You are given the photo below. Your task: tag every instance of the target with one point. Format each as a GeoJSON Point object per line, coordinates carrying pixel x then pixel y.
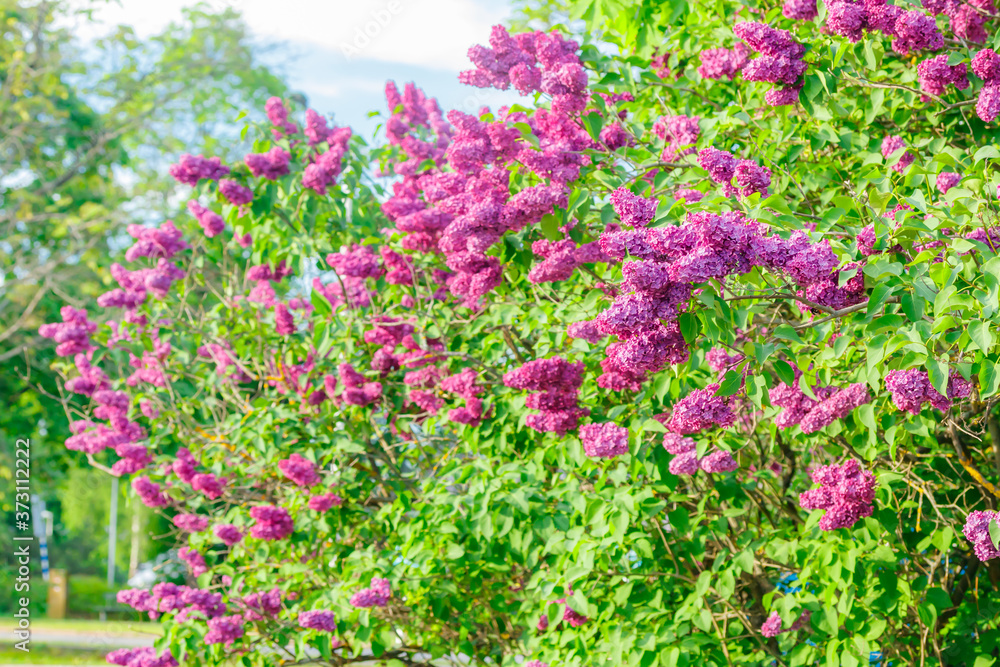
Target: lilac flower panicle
{"type": "Point", "coordinates": [935, 75]}
{"type": "Point", "coordinates": [977, 532]}
{"type": "Point", "coordinates": [890, 145]}
{"type": "Point", "coordinates": [916, 31]}
{"type": "Point", "coordinates": [946, 181]}
{"type": "Point", "coordinates": [192, 168]}
{"type": "Point", "coordinates": [772, 626]}
{"type": "Point", "coordinates": [604, 440]}
{"type": "Point", "coordinates": [191, 523]}
{"type": "Point", "coordinates": [318, 619]}
{"type": "Point", "coordinates": [228, 533]}
{"type": "Point", "coordinates": [699, 410]}
{"type": "Point", "coordinates": [299, 470]}
{"type": "Point", "coordinates": [376, 595]}
{"type": "Point", "coordinates": [678, 444]}
{"type": "Point", "coordinates": [800, 10]}
{"type": "Point", "coordinates": [718, 461]}
{"type": "Point", "coordinates": [272, 522]}
{"type": "Point", "coordinates": [633, 210]}
{"type": "Point", "coordinates": [846, 493]}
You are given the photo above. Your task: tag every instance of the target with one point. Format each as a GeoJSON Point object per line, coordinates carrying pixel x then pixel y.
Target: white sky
{"type": "Point", "coordinates": [425, 33]}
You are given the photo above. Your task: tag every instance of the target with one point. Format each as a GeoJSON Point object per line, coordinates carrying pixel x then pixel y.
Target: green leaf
{"type": "Point", "coordinates": [550, 227]}
{"type": "Point", "coordinates": [878, 200]}
{"type": "Point", "coordinates": [989, 379]}
{"type": "Point", "coordinates": [938, 371]}
{"type": "Point", "coordinates": [785, 371]}
{"type": "Point", "coordinates": [980, 334]}
{"type": "Point", "coordinates": [690, 326]}
{"type": "Point", "coordinates": [994, 533]}
{"type": "Point", "coordinates": [730, 383]}
{"type": "Point", "coordinates": [986, 152]}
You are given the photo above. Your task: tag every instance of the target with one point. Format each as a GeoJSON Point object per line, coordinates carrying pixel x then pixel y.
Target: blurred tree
{"type": "Point", "coordinates": [84, 132]}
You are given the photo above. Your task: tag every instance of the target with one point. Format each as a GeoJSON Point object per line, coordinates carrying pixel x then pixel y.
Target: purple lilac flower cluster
{"type": "Point", "coordinates": [464, 212]}
{"type": "Point", "coordinates": [376, 595]}
{"type": "Point", "coordinates": [300, 470]}
{"type": "Point", "coordinates": [723, 167]}
{"type": "Point", "coordinates": [912, 388]}
{"type": "Point", "coordinates": [799, 10]}
{"type": "Point", "coordinates": [195, 561]}
{"type": "Point", "coordinates": [780, 61]}
{"type": "Point", "coordinates": [679, 134]}
{"type": "Point", "coordinates": [141, 657]}
{"type": "Point", "coordinates": [846, 493]}
{"type": "Point", "coordinates": [560, 259]}
{"type": "Point", "coordinates": [323, 502]}
{"type": "Point", "coordinates": [977, 531]}
{"type": "Point", "coordinates": [850, 18]}
{"type": "Point", "coordinates": [606, 440]}
{"type": "Point", "coordinates": [318, 619]}
{"type": "Point", "coordinates": [812, 415]}
{"type": "Point", "coordinates": [228, 533]}
{"type": "Point", "coordinates": [968, 19]}
{"type": "Point", "coordinates": [272, 522]}
{"type": "Point", "coordinates": [258, 606]}
{"type": "Point", "coordinates": [718, 63]}
{"type": "Point", "coordinates": [72, 335]}
{"type": "Point", "coordinates": [986, 65]}
{"type": "Point", "coordinates": [167, 597]}
{"type": "Point", "coordinates": [224, 629]}
{"type": "Point", "coordinates": [699, 410]}
{"type": "Point", "coordinates": [557, 382]}
{"type": "Point", "coordinates": [772, 627]}
{"type": "Point", "coordinates": [890, 145]}
{"type": "Point", "coordinates": [935, 74]}
{"type": "Point", "coordinates": [149, 492]}
{"type": "Point", "coordinates": [192, 168]}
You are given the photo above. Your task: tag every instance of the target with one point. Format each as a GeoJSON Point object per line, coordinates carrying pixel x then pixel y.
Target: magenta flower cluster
{"type": "Point", "coordinates": [780, 61]}
{"type": "Point", "coordinates": [812, 415]}
{"type": "Point", "coordinates": [606, 440]}
{"type": "Point", "coordinates": [557, 383]}
{"type": "Point", "coordinates": [912, 388]}
{"type": "Point", "coordinates": [986, 65]}
{"type": "Point", "coordinates": [718, 63]}
{"type": "Point", "coordinates": [890, 145]}
{"type": "Point", "coordinates": [145, 656]}
{"type": "Point", "coordinates": [192, 168]}
{"type": "Point", "coordinates": [772, 627]}
{"type": "Point", "coordinates": [935, 74]}
{"type": "Point", "coordinates": [846, 492]}
{"type": "Point", "coordinates": [300, 470]}
{"type": "Point", "coordinates": [376, 595]}
{"type": "Point", "coordinates": [977, 532]}
{"type": "Point", "coordinates": [272, 522]}
{"type": "Point", "coordinates": [318, 619]}
{"type": "Point", "coordinates": [723, 167]}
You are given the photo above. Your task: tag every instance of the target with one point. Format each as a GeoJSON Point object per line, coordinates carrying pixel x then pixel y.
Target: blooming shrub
{"type": "Point", "coordinates": [780, 265]}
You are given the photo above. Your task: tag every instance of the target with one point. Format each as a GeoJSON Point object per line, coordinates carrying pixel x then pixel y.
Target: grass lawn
{"type": "Point", "coordinates": [50, 655]}
{"type": "Point", "coordinates": [83, 626]}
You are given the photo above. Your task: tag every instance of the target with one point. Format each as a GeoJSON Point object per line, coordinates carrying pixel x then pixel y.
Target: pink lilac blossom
{"type": "Point", "coordinates": [211, 222]}
{"type": "Point", "coordinates": [772, 626]}
{"type": "Point", "coordinates": [986, 65]}
{"type": "Point", "coordinates": [191, 168]}
{"type": "Point", "coordinates": [228, 533]}
{"type": "Point", "coordinates": [191, 523]}
{"type": "Point", "coordinates": [270, 165]}
{"type": "Point", "coordinates": [559, 383]}
{"type": "Point", "coordinates": [273, 522]}
{"type": "Point", "coordinates": [376, 595]}
{"type": "Point", "coordinates": [235, 194]}
{"type": "Point", "coordinates": [586, 330]}
{"type": "Point", "coordinates": [689, 196]}
{"type": "Point", "coordinates": [699, 410]}
{"type": "Point", "coordinates": [846, 493]}
{"type": "Point", "coordinates": [977, 532]}
{"type": "Point", "coordinates": [685, 463]}
{"type": "Point", "coordinates": [946, 180]}
{"type": "Point", "coordinates": [633, 210]}
{"type": "Point", "coordinates": [224, 630]}
{"type": "Point", "coordinates": [837, 406]}
{"type": "Point", "coordinates": [164, 241]}
{"type": "Point", "coordinates": [537, 663]}
{"type": "Point", "coordinates": [208, 484]}
{"type": "Point", "coordinates": [988, 103]}
{"type": "Point", "coordinates": [912, 388]}
{"type": "Point", "coordinates": [72, 334]}
{"type": "Point", "coordinates": [604, 440]}
{"type": "Point", "coordinates": [935, 75]}
{"type": "Point", "coordinates": [323, 502]}
{"type": "Point", "coordinates": [890, 145]}
{"type": "Point", "coordinates": [780, 60]}
{"type": "Point", "coordinates": [718, 461]}
{"type": "Point", "coordinates": [718, 63]}
{"type": "Point", "coordinates": [800, 10]}
{"type": "Point", "coordinates": [318, 619]}
{"type": "Point", "coordinates": [300, 470]}
{"type": "Point", "coordinates": [184, 465]}
{"type": "Point", "coordinates": [680, 134]}
{"type": "Point", "coordinates": [463, 383]}
{"type": "Point", "coordinates": [141, 657]}
{"type": "Point", "coordinates": [916, 31]}
{"type": "Point", "coordinates": [149, 492]}
{"type": "Point", "coordinates": [752, 178]}
{"type": "Point", "coordinates": [678, 444]}
{"type": "Point", "coordinates": [195, 561]}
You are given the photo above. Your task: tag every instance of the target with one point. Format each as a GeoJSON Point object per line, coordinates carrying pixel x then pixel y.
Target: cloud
{"type": "Point", "coordinates": [424, 33]}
